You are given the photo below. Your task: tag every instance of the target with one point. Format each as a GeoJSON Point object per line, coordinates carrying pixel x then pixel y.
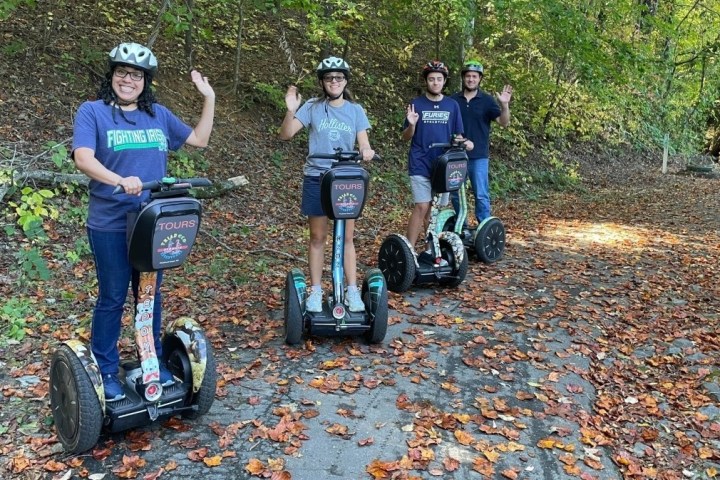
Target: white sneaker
{"type": "Point", "coordinates": [353, 300]}
{"type": "Point", "coordinates": [441, 263]}
{"type": "Point", "coordinates": [314, 301]}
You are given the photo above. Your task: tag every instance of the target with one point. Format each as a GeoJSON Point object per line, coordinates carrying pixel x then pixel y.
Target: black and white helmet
{"type": "Point", "coordinates": [134, 55]}
{"type": "Point", "coordinates": [333, 64]}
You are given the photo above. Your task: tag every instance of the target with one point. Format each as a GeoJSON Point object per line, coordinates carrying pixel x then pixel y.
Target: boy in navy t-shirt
{"type": "Point", "coordinates": [431, 118]}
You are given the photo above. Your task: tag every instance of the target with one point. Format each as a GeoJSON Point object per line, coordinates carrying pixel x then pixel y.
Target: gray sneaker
{"type": "Point", "coordinates": [353, 300]}
{"type": "Point", "coordinates": [314, 301]}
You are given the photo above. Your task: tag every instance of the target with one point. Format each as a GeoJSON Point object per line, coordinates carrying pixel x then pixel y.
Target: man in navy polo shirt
{"type": "Point", "coordinates": [478, 109]}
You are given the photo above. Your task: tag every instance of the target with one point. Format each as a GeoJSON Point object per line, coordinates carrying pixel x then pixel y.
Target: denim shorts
{"type": "Point", "coordinates": [310, 204]}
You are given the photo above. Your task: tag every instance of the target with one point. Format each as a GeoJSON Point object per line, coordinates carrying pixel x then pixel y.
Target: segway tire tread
{"type": "Point", "coordinates": [205, 396]}
{"type": "Point", "coordinates": [293, 313]}
{"type": "Point", "coordinates": [74, 390]}
{"type": "Point", "coordinates": [378, 328]}
{"type": "Point", "coordinates": [397, 264]}
{"type": "Point", "coordinates": [490, 241]}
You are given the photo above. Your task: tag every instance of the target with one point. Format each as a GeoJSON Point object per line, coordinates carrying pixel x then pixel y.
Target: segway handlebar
{"type": "Point", "coordinates": [341, 155]}
{"type": "Point", "coordinates": [453, 144]}
{"type": "Point", "coordinates": [169, 183]}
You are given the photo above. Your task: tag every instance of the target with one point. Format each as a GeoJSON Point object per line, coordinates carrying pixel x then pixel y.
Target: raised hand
{"type": "Point", "coordinates": [506, 94]}
{"type": "Point", "coordinates": [412, 116]}
{"type": "Point", "coordinates": [202, 84]}
{"type": "Point", "coordinates": [293, 99]}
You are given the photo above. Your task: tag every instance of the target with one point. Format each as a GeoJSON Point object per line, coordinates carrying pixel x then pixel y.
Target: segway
{"type": "Point", "coordinates": [160, 237]}
{"type": "Point", "coordinates": [487, 240]}
{"type": "Point", "coordinates": [343, 191]}
{"type": "Point", "coordinates": [401, 265]}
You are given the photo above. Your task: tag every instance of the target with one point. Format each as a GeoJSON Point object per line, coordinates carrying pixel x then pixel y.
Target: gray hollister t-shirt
{"type": "Point", "coordinates": [329, 128]}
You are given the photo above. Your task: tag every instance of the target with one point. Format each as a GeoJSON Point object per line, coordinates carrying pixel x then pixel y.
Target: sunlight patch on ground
{"type": "Point", "coordinates": [623, 238]}
{"type": "Point", "coordinates": [608, 234]}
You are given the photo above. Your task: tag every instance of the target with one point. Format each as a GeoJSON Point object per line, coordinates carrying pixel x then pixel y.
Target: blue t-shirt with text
{"type": "Point", "coordinates": [139, 150]}
{"type": "Point", "coordinates": [437, 123]}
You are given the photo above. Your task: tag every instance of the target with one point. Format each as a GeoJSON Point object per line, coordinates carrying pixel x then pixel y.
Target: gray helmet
{"type": "Point", "coordinates": [472, 66]}
{"type": "Point", "coordinates": [134, 55]}
{"type": "Point", "coordinates": [333, 64]}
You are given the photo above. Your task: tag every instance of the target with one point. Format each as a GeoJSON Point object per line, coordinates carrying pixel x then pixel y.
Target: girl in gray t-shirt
{"type": "Point", "coordinates": [333, 120]}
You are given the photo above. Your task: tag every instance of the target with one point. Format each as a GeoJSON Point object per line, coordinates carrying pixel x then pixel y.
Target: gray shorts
{"type": "Point", "coordinates": [422, 190]}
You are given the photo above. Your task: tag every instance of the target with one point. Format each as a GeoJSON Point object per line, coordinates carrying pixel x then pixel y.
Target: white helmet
{"type": "Point", "coordinates": [134, 55]}
{"type": "Point", "coordinates": [333, 64]}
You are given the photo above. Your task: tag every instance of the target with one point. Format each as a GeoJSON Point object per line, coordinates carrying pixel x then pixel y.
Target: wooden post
{"type": "Point", "coordinates": [666, 146]}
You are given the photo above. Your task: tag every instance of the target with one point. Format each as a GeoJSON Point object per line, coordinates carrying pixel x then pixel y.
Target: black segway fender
{"type": "Point", "coordinates": [193, 339]}
{"type": "Point", "coordinates": [456, 243]}
{"type": "Point", "coordinates": [87, 359]}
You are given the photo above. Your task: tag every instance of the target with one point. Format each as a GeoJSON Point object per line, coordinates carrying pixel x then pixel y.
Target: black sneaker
{"type": "Point", "coordinates": [113, 388]}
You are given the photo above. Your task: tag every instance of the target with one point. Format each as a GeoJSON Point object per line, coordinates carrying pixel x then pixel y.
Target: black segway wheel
{"type": "Point", "coordinates": [460, 268]}
{"type": "Point", "coordinates": [293, 313]}
{"type": "Point", "coordinates": [377, 309]}
{"type": "Point", "coordinates": [75, 406]}
{"type": "Point", "coordinates": [397, 264]}
{"type": "Point", "coordinates": [178, 362]}
{"type": "Point", "coordinates": [490, 241]}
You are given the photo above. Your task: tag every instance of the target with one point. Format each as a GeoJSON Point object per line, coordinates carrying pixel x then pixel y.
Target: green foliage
{"type": "Point", "coordinates": [32, 265]}
{"type": "Point", "coordinates": [13, 315]}
{"type": "Point", "coordinates": [7, 7]}
{"type": "Point", "coordinates": [538, 178]}
{"type": "Point", "coordinates": [13, 48]}
{"type": "Point", "coordinates": [81, 249]}
{"type": "Point", "coordinates": [271, 93]}
{"type": "Point", "coordinates": [33, 208]}
{"type": "Point", "coordinates": [60, 158]}
{"type": "Point", "coordinates": [187, 164]}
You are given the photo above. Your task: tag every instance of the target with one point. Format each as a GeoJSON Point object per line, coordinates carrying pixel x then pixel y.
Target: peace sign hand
{"type": "Point", "coordinates": [412, 116]}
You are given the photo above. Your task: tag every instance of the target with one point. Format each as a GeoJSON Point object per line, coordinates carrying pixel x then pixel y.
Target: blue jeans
{"type": "Point", "coordinates": [478, 176]}
{"type": "Point", "coordinates": [114, 275]}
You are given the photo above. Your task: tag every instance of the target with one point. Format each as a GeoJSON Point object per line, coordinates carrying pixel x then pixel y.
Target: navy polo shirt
{"type": "Point", "coordinates": [477, 114]}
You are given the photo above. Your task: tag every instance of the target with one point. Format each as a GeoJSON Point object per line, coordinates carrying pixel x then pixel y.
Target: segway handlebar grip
{"type": "Point", "coordinates": [179, 183]}
{"type": "Point", "coordinates": [153, 184]}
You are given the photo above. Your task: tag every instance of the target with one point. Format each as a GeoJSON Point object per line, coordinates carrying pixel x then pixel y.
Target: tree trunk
{"type": "Point", "coordinates": [238, 48]}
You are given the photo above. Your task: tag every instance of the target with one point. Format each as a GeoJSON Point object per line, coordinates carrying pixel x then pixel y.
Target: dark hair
{"type": "Point", "coordinates": [145, 100]}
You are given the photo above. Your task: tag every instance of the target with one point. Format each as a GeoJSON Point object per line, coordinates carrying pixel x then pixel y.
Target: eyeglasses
{"type": "Point", "coordinates": [122, 73]}
{"type": "Point", "coordinates": [333, 78]}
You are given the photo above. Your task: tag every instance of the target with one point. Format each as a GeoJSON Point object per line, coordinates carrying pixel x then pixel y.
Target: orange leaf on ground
{"type": "Point", "coordinates": [463, 437]}
{"type": "Point", "coordinates": [255, 467]}
{"type": "Point", "coordinates": [213, 461]}
{"type": "Point", "coordinates": [451, 464]}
